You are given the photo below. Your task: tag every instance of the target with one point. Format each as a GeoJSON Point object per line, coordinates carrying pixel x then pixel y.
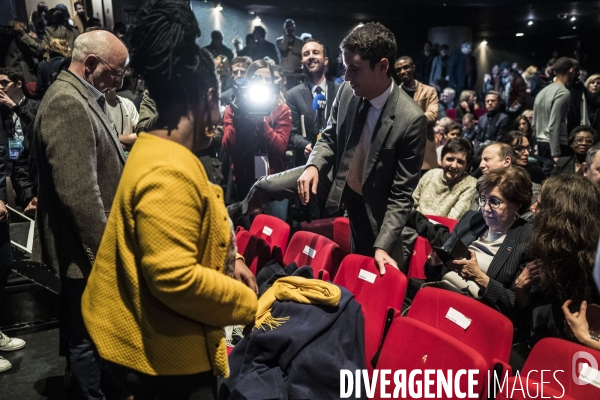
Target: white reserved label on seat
{"type": "Point", "coordinates": [458, 318]}
{"type": "Point", "coordinates": [590, 375]}
{"type": "Point", "coordinates": [367, 276]}
{"type": "Point", "coordinates": [309, 252]}
{"type": "Point", "coordinates": [267, 231]}
{"type": "Point", "coordinates": [434, 222]}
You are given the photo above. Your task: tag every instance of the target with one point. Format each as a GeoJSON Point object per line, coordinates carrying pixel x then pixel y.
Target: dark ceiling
{"type": "Point", "coordinates": [488, 18]}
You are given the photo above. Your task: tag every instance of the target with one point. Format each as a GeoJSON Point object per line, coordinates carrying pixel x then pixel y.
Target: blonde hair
{"type": "Point", "coordinates": [591, 79]}
{"type": "Point", "coordinates": [59, 46]}
{"type": "Point", "coordinates": [530, 71]}
{"type": "Point", "coordinates": [466, 95]}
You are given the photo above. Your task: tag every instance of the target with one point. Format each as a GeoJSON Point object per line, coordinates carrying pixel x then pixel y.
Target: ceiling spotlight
{"type": "Point", "coordinates": [574, 27]}
{"type": "Point", "coordinates": [219, 7]}
{"type": "Point", "coordinates": [530, 23]}
{"type": "Point", "coordinates": [483, 42]}
{"type": "Point", "coordinates": [563, 16]}
{"type": "Point", "coordinates": [520, 34]}
{"type": "Point", "coordinates": [257, 19]}
{"type": "Point", "coordinates": [573, 19]}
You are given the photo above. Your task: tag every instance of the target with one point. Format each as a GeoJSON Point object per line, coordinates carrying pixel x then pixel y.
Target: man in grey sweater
{"type": "Point", "coordinates": [550, 112]}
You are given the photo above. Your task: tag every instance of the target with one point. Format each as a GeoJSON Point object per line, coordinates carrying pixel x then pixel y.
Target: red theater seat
{"type": "Point", "coordinates": [375, 297]}
{"type": "Point", "coordinates": [275, 231]}
{"type": "Point", "coordinates": [448, 222]}
{"type": "Point", "coordinates": [489, 333]}
{"type": "Point", "coordinates": [323, 227]}
{"type": "Point", "coordinates": [412, 345]}
{"type": "Point", "coordinates": [451, 113]}
{"type": "Point", "coordinates": [422, 249]}
{"type": "Point", "coordinates": [318, 252]}
{"type": "Point", "coordinates": [560, 357]}
{"type": "Point", "coordinates": [341, 234]}
{"type": "Point", "coordinates": [256, 251]}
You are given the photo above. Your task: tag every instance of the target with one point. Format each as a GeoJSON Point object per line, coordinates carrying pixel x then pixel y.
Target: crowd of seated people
{"type": "Point", "coordinates": [524, 192]}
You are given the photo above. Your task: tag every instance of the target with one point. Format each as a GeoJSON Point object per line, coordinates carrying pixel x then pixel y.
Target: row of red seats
{"type": "Point", "coordinates": [451, 113]}
{"type": "Point", "coordinates": [446, 331]}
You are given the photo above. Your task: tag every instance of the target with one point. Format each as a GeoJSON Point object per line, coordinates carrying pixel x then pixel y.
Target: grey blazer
{"type": "Point", "coordinates": [393, 164]}
{"type": "Point", "coordinates": [80, 161]}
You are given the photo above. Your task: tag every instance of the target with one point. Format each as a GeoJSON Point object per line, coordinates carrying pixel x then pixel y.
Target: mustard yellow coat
{"type": "Point", "coordinates": [157, 298]}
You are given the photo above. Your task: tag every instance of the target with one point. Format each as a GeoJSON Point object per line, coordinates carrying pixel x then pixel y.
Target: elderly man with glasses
{"type": "Point", "coordinates": [80, 161]}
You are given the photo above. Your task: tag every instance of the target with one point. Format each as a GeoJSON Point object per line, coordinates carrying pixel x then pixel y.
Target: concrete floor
{"type": "Point", "coordinates": [37, 370]}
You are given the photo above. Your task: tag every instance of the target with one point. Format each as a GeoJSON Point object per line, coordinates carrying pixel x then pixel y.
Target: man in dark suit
{"type": "Point", "coordinates": [80, 161]}
{"type": "Point", "coordinates": [262, 48]}
{"type": "Point", "coordinates": [493, 124]}
{"type": "Point", "coordinates": [305, 121]}
{"type": "Point", "coordinates": [462, 69]}
{"type": "Point", "coordinates": [369, 156]}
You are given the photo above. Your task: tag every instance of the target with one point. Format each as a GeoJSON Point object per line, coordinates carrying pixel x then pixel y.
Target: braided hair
{"type": "Point", "coordinates": [177, 72]}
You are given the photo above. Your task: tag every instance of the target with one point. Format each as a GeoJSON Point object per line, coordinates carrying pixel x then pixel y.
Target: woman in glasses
{"type": "Point", "coordinates": [497, 239]}
{"type": "Point", "coordinates": [521, 145]}
{"type": "Point", "coordinates": [581, 139]}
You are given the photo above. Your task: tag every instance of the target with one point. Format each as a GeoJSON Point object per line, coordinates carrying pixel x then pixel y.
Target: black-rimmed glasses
{"type": "Point", "coordinates": [494, 202]}
{"type": "Point", "coordinates": [115, 74]}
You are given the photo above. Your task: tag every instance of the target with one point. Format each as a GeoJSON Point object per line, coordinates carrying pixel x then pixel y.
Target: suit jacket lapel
{"type": "Point", "coordinates": [308, 99]}
{"type": "Point", "coordinates": [351, 112]}
{"type": "Point", "coordinates": [418, 91]}
{"type": "Point", "coordinates": [381, 131]}
{"type": "Point", "coordinates": [330, 96]}
{"type": "Point", "coordinates": [505, 250]}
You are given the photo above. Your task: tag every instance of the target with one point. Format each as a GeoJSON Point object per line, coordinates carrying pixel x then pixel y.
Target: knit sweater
{"type": "Point", "coordinates": [434, 196]}
{"type": "Point", "coordinates": [157, 298]}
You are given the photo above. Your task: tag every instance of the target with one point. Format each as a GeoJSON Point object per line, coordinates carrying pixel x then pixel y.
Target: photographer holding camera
{"type": "Point", "coordinates": [257, 129]}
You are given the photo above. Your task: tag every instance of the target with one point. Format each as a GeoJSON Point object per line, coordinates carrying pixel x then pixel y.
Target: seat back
{"type": "Point", "coordinates": [416, 266]}
{"type": "Point", "coordinates": [558, 354]}
{"type": "Point", "coordinates": [316, 251]}
{"type": "Point", "coordinates": [256, 251]}
{"type": "Point", "coordinates": [375, 293]}
{"type": "Point", "coordinates": [341, 234]}
{"type": "Point", "coordinates": [451, 113]}
{"type": "Point", "coordinates": [480, 112]}
{"type": "Point", "coordinates": [448, 222]}
{"type": "Point", "coordinates": [489, 332]}
{"type": "Point", "coordinates": [411, 345]}
{"type": "Point", "coordinates": [272, 229]}
{"type": "Point", "coordinates": [323, 227]}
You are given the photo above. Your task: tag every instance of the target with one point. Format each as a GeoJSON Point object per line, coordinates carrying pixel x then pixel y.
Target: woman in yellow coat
{"type": "Point", "coordinates": [161, 291]}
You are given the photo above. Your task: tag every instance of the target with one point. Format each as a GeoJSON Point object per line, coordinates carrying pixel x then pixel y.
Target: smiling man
{"type": "Point", "coordinates": [369, 156]}
{"type": "Point", "coordinates": [80, 161]}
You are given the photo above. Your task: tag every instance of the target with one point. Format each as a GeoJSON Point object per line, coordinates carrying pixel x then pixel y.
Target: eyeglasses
{"type": "Point", "coordinates": [520, 149]}
{"type": "Point", "coordinates": [494, 202]}
{"type": "Point", "coordinates": [114, 73]}
{"type": "Point", "coordinates": [581, 140]}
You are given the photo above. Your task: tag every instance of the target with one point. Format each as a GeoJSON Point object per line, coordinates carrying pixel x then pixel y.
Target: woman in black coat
{"type": "Point", "coordinates": [48, 70]}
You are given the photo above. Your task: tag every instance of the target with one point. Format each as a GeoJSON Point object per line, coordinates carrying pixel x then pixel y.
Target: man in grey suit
{"type": "Point", "coordinates": [369, 156]}
{"type": "Point", "coordinates": [80, 161]}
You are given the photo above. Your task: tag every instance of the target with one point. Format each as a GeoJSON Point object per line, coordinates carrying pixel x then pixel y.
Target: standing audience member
{"type": "Point", "coordinates": [252, 140]}
{"type": "Point", "coordinates": [591, 167]}
{"type": "Point", "coordinates": [423, 63]}
{"type": "Point", "coordinates": [492, 81]}
{"type": "Point", "coordinates": [306, 125]}
{"type": "Point", "coordinates": [448, 191]}
{"type": "Point", "coordinates": [522, 148]}
{"type": "Point", "coordinates": [513, 91]}
{"type": "Point", "coordinates": [439, 69]}
{"type": "Point", "coordinates": [493, 124]}
{"type": "Point", "coordinates": [290, 48]}
{"type": "Point", "coordinates": [216, 46]}
{"type": "Point", "coordinates": [80, 161]}
{"type": "Point", "coordinates": [550, 112]}
{"type": "Point", "coordinates": [462, 69]}
{"type": "Point", "coordinates": [159, 296]}
{"type": "Point", "coordinates": [80, 19]}
{"type": "Point", "coordinates": [39, 22]}
{"type": "Point", "coordinates": [11, 104]}
{"type": "Point", "coordinates": [124, 116]}
{"type": "Point", "coordinates": [426, 98]}
{"type": "Point", "coordinates": [581, 139]}
{"type": "Point", "coordinates": [58, 27]}
{"type": "Point", "coordinates": [592, 84]}
{"type": "Point", "coordinates": [48, 70]}
{"type": "Point", "coordinates": [261, 47]}
{"type": "Point", "coordinates": [249, 49]}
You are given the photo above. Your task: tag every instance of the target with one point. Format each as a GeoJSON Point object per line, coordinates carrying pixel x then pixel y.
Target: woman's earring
{"type": "Point", "coordinates": [209, 132]}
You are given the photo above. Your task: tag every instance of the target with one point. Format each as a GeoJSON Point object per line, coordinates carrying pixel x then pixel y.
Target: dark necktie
{"type": "Point", "coordinates": [335, 195]}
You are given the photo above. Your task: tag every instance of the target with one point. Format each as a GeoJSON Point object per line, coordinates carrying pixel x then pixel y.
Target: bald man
{"type": "Point", "coordinates": [80, 161]}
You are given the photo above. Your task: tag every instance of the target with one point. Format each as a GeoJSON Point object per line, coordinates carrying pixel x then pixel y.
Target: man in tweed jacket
{"type": "Point", "coordinates": [80, 162]}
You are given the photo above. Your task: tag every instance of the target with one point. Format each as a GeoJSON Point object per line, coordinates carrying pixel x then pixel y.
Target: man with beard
{"type": "Point", "coordinates": [300, 100]}
{"type": "Point", "coordinates": [426, 97]}
{"type": "Point", "coordinates": [80, 19]}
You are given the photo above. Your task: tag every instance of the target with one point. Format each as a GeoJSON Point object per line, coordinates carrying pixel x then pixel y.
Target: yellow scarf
{"type": "Point", "coordinates": [298, 289]}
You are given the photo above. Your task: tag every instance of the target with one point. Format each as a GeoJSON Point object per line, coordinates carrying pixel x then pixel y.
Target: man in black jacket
{"type": "Point", "coordinates": [17, 113]}
{"type": "Point", "coordinates": [493, 124]}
